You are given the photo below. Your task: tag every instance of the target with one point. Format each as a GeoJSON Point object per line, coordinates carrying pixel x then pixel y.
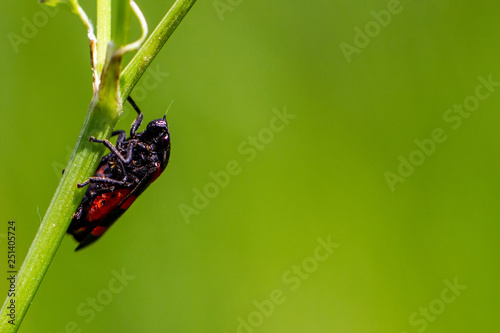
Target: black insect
{"type": "Point", "coordinates": [123, 174]}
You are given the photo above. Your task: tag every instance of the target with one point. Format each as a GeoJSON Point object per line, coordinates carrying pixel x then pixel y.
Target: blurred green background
{"type": "Point", "coordinates": [415, 250]}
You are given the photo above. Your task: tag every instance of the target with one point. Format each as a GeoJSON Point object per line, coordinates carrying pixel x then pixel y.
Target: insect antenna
{"type": "Point", "coordinates": [165, 115]}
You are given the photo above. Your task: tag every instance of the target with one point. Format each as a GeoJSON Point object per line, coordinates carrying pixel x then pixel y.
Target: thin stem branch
{"type": "Point", "coordinates": [103, 32]}
{"type": "Point", "coordinates": [143, 58]}
{"type": "Point", "coordinates": [120, 21]}
{"type": "Point", "coordinates": [144, 26]}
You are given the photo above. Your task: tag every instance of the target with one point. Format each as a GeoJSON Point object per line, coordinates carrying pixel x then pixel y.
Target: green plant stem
{"type": "Point", "coordinates": [103, 113]}
{"type": "Point", "coordinates": [103, 31]}
{"type": "Point", "coordinates": [152, 46]}
{"type": "Point", "coordinates": [101, 118]}
{"type": "Point", "coordinates": [121, 18]}
{"type": "Point", "coordinates": [86, 156]}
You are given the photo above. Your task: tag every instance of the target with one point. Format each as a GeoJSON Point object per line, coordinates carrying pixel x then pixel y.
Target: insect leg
{"type": "Point", "coordinates": [137, 122]}
{"type": "Point", "coordinates": [115, 151]}
{"type": "Point", "coordinates": [121, 135]}
{"type": "Point", "coordinates": [121, 138]}
{"type": "Point", "coordinates": [93, 180]}
{"type": "Point", "coordinates": [106, 180]}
